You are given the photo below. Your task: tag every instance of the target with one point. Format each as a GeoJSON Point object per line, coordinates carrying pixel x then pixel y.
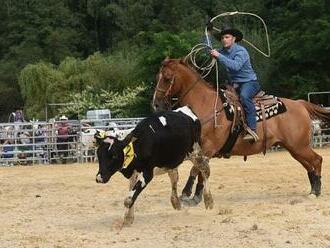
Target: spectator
{"type": "Point", "coordinates": [25, 149]}
{"type": "Point", "coordinates": [19, 115]}
{"type": "Point", "coordinates": [63, 128]}
{"type": "Point", "coordinates": [8, 149]}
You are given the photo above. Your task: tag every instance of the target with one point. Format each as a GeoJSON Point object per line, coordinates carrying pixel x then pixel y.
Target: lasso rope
{"type": "Point", "coordinates": [249, 43]}
{"type": "Point", "coordinates": [206, 68]}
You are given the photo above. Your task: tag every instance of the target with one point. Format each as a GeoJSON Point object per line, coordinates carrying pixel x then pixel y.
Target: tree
{"type": "Point", "coordinates": [129, 103]}
{"type": "Point", "coordinates": [52, 83]}
{"type": "Point", "coordinates": [116, 44]}
{"type": "Point", "coordinates": [301, 49]}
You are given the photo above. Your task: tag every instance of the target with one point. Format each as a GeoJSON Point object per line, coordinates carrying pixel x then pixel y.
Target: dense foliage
{"type": "Point", "coordinates": [93, 51]}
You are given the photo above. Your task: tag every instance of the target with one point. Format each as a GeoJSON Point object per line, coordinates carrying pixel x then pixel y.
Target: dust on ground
{"type": "Point", "coordinates": [263, 202]}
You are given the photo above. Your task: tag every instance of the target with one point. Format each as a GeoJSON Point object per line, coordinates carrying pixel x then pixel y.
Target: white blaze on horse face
{"type": "Point", "coordinates": [187, 111]}
{"type": "Point", "coordinates": [162, 119]}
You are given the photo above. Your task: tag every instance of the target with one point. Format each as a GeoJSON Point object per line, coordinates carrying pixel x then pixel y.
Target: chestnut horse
{"type": "Point", "coordinates": [291, 129]}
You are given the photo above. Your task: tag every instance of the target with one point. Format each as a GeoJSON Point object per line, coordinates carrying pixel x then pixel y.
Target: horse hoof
{"type": "Point", "coordinates": [314, 194]}
{"type": "Point", "coordinates": [197, 199]}
{"type": "Point", "coordinates": [192, 202]}
{"type": "Point", "coordinates": [184, 198]}
{"type": "Point", "coordinates": [316, 187]}
{"type": "Point", "coordinates": [176, 203]}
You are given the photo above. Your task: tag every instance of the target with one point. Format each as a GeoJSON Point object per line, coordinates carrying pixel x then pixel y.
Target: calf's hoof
{"type": "Point", "coordinates": [128, 221]}
{"type": "Point", "coordinates": [208, 201]}
{"type": "Point", "coordinates": [128, 202]}
{"type": "Point", "coordinates": [175, 202]}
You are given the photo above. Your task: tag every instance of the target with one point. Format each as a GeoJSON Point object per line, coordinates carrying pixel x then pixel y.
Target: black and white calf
{"type": "Point", "coordinates": [162, 140]}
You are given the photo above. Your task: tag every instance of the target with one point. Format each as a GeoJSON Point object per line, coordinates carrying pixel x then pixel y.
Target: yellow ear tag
{"type": "Point", "coordinates": [128, 154]}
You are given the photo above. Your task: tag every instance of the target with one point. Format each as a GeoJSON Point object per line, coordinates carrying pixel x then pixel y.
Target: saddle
{"type": "Point", "coordinates": [261, 98]}
{"type": "Point", "coordinates": [262, 101]}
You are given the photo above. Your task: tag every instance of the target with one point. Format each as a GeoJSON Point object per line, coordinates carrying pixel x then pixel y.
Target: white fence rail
{"type": "Point", "coordinates": [54, 142]}
{"type": "Point", "coordinates": [43, 142]}
{"type": "Point", "coordinates": [322, 139]}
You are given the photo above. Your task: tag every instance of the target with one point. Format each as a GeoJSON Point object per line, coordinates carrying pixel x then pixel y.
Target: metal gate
{"type": "Point", "coordinates": [38, 142]}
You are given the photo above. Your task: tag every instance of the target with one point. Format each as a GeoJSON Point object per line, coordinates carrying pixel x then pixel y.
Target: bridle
{"type": "Point", "coordinates": [166, 92]}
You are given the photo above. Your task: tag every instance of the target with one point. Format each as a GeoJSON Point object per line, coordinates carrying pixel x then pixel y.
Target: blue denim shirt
{"type": "Point", "coordinates": [236, 59]}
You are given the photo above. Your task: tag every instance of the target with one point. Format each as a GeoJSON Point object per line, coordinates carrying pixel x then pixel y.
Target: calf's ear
{"type": "Point", "coordinates": [100, 135]}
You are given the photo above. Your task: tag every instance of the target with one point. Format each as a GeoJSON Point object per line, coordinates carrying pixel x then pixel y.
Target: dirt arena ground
{"type": "Point", "coordinates": [263, 202]}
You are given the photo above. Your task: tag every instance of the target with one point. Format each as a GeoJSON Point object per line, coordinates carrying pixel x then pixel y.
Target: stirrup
{"type": "Point", "coordinates": [251, 135]}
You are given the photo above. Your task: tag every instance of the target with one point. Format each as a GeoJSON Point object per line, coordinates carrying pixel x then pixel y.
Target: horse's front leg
{"type": "Point", "coordinates": [187, 190]}
{"type": "Point", "coordinates": [174, 177]}
{"type": "Point", "coordinates": [202, 169]}
{"type": "Point", "coordinates": [194, 171]}
{"type": "Point", "coordinates": [202, 188]}
{"type": "Point", "coordinates": [142, 179]}
{"type": "Point", "coordinates": [129, 213]}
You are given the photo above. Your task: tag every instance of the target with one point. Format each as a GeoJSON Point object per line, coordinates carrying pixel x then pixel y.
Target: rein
{"type": "Point", "coordinates": [166, 94]}
{"type": "Point", "coordinates": [186, 93]}
{"type": "Point", "coordinates": [216, 113]}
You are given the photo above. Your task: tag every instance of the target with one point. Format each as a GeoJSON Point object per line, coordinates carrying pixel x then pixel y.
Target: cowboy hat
{"type": "Point", "coordinates": [228, 30]}
{"type": "Point", "coordinates": [63, 118]}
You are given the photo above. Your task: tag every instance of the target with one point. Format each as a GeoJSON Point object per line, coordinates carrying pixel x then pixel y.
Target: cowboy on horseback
{"type": "Point", "coordinates": [237, 62]}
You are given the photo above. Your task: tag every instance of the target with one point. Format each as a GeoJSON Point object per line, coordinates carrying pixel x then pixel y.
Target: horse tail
{"type": "Point", "coordinates": [317, 112]}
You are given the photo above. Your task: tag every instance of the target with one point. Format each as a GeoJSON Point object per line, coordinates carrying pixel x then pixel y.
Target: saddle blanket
{"type": "Point", "coordinates": [271, 110]}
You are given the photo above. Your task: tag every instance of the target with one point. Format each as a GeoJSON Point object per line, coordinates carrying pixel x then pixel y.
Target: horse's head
{"type": "Point", "coordinates": [169, 84]}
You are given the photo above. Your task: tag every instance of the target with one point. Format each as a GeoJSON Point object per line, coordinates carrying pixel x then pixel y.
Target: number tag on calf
{"type": "Point", "coordinates": [128, 154]}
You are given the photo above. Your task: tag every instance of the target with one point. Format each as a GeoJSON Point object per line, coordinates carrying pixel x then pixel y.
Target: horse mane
{"type": "Point", "coordinates": [181, 61]}
{"type": "Point", "coordinates": [193, 70]}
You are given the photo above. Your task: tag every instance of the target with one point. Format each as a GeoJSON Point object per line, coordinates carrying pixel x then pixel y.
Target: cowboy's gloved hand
{"type": "Point", "coordinates": [209, 25]}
